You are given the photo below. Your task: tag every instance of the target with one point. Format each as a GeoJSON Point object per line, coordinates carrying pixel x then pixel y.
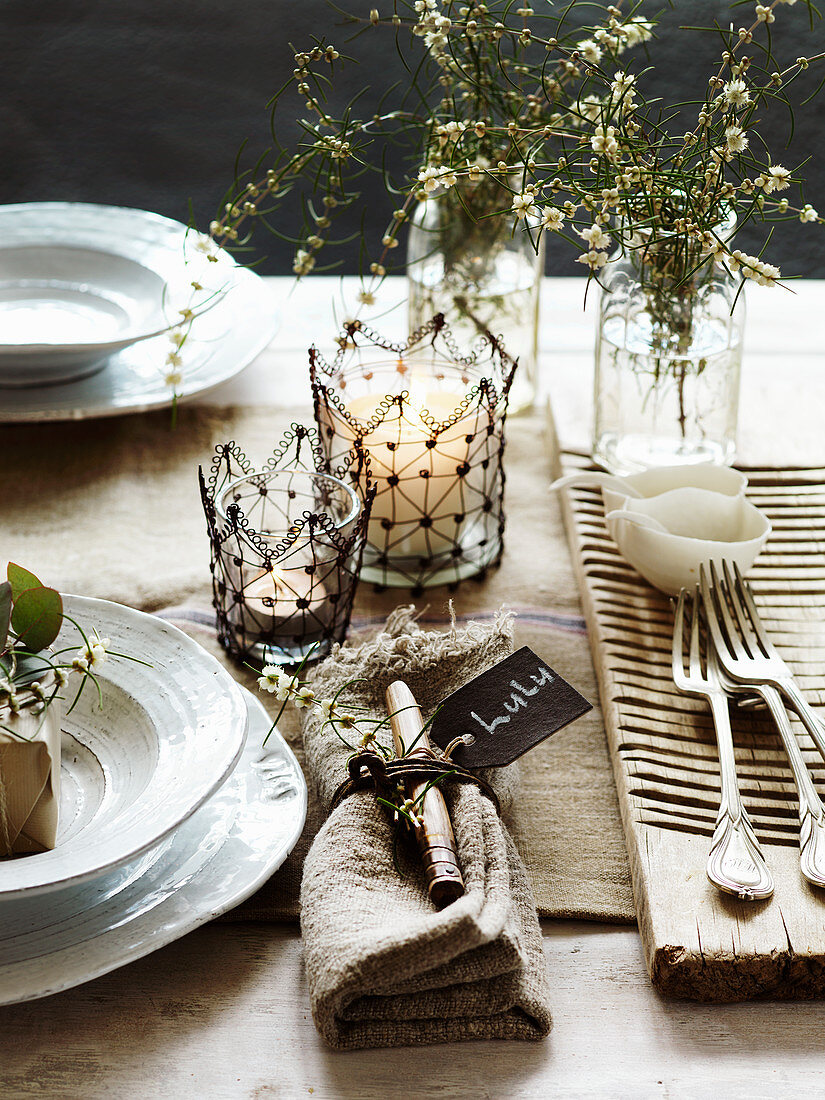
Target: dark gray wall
{"type": "Point", "coordinates": [146, 103]}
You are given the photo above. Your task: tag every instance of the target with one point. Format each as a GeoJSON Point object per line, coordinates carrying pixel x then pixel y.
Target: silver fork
{"type": "Point", "coordinates": [751, 667]}
{"type": "Point", "coordinates": [735, 861]}
{"type": "Point", "coordinates": [751, 656]}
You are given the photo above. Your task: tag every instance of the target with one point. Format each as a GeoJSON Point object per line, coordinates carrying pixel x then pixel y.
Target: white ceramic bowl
{"type": "Point", "coordinates": [80, 282]}
{"type": "Point", "coordinates": [132, 771]}
{"type": "Point", "coordinates": [653, 482]}
{"type": "Point", "coordinates": [667, 537]}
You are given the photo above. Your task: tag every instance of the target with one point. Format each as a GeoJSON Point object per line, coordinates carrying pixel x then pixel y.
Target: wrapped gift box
{"type": "Point", "coordinates": [29, 779]}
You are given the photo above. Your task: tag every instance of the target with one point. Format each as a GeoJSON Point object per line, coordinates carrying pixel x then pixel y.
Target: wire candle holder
{"type": "Point", "coordinates": [287, 542]}
{"type": "Point", "coordinates": [432, 422]}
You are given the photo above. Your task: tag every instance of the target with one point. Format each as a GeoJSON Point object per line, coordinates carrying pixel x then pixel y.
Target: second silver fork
{"type": "Point", "coordinates": [749, 663]}
{"type": "Point", "coordinates": [735, 862]}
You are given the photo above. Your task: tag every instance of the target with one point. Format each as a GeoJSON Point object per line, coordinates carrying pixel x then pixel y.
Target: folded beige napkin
{"type": "Point", "coordinates": [385, 968]}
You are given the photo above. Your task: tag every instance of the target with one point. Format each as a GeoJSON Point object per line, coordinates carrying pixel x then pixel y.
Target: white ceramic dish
{"type": "Point", "coordinates": [167, 736]}
{"type": "Point", "coordinates": [220, 856]}
{"type": "Point", "coordinates": [238, 324]}
{"type": "Point", "coordinates": [79, 282]}
{"type": "Point", "coordinates": [616, 491]}
{"type": "Point", "coordinates": [668, 536]}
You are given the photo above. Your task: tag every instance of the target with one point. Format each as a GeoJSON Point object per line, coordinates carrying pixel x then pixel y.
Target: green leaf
{"type": "Point", "coordinates": [5, 614]}
{"type": "Point", "coordinates": [37, 617]}
{"type": "Point", "coordinates": [21, 580]}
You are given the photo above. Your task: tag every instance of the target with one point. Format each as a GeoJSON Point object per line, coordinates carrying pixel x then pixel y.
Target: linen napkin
{"type": "Point", "coordinates": [385, 968]}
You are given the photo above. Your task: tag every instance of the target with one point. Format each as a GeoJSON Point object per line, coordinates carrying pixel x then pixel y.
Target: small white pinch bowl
{"type": "Point", "coordinates": [655, 481]}
{"type": "Point", "coordinates": [668, 536]}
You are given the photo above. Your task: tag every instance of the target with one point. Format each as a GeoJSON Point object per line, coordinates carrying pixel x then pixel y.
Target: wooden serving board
{"type": "Point", "coordinates": [699, 943]}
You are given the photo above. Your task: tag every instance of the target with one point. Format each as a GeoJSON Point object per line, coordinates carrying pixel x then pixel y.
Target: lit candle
{"type": "Point", "coordinates": [423, 496]}
{"type": "Point", "coordinates": [284, 601]}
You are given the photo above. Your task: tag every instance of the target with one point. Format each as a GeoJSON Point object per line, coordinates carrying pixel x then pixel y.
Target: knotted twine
{"type": "Point", "coordinates": [384, 966]}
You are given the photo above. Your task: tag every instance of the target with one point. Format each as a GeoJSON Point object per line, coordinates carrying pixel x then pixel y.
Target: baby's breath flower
{"type": "Point", "coordinates": [90, 656]}
{"type": "Point", "coordinates": [378, 269]}
{"type": "Point", "coordinates": [523, 204]}
{"type": "Point", "coordinates": [777, 178]}
{"type": "Point", "coordinates": [590, 107]}
{"type": "Point", "coordinates": [366, 297]}
{"type": "Point", "coordinates": [622, 82]}
{"type": "Point", "coordinates": [408, 807]}
{"type": "Point", "coordinates": [636, 31]}
{"type": "Point", "coordinates": [327, 708]}
{"type": "Point", "coordinates": [595, 237]}
{"type": "Point", "coordinates": [303, 263]}
{"type": "Point", "coordinates": [735, 139]}
{"type": "Point", "coordinates": [736, 93]}
{"type": "Point", "coordinates": [604, 141]}
{"type": "Point", "coordinates": [808, 214]}
{"type": "Point", "coordinates": [594, 260]}
{"type": "Point", "coordinates": [303, 696]}
{"type": "Point", "coordinates": [590, 51]}
{"type": "Point", "coordinates": [269, 678]}
{"type": "Point", "coordinates": [428, 177]}
{"type": "Point", "coordinates": [552, 217]}
{"type": "Point", "coordinates": [173, 378]}
{"type": "Point", "coordinates": [764, 14]}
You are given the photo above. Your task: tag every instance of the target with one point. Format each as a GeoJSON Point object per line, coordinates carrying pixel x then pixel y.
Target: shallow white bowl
{"type": "Point", "coordinates": [80, 282]}
{"type": "Point", "coordinates": [654, 482]}
{"type": "Point", "coordinates": [667, 537]}
{"type": "Point", "coordinates": [132, 771]}
{"type": "Point", "coordinates": [218, 857]}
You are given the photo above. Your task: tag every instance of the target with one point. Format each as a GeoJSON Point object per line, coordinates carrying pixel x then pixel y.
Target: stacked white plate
{"type": "Point", "coordinates": [88, 296]}
{"type": "Point", "coordinates": [172, 811]}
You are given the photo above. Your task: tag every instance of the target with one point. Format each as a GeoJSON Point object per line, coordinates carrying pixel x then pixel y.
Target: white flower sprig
{"type": "Point", "coordinates": [352, 725]}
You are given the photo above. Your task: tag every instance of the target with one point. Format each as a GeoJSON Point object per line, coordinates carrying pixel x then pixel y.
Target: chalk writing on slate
{"type": "Point", "coordinates": [506, 711]}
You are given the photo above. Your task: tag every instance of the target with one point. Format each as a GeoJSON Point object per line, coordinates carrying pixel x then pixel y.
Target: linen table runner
{"type": "Point", "coordinates": [111, 509]}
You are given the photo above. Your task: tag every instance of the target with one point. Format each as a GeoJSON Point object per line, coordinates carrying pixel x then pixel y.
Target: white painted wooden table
{"type": "Point", "coordinates": [224, 1012]}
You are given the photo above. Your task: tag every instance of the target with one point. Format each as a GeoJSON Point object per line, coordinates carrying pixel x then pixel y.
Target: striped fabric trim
{"type": "Point", "coordinates": [528, 616]}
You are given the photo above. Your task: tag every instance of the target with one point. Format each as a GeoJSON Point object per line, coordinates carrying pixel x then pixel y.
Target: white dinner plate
{"type": "Point", "coordinates": [168, 733]}
{"type": "Point", "coordinates": [215, 860]}
{"type": "Point", "coordinates": [125, 274]}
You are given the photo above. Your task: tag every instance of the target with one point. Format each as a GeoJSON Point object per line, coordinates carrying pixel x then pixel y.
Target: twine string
{"type": "Point", "coordinates": [369, 770]}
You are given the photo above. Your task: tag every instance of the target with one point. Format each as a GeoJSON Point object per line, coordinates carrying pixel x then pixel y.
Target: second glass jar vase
{"type": "Point", "coordinates": [482, 274]}
{"type": "Point", "coordinates": [668, 361]}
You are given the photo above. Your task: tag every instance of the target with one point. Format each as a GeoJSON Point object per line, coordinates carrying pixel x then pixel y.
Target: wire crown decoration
{"type": "Point", "coordinates": [286, 546]}
{"type": "Point", "coordinates": [432, 421]}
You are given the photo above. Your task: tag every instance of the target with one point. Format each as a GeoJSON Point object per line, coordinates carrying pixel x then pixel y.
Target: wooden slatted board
{"type": "Point", "coordinates": [699, 943]}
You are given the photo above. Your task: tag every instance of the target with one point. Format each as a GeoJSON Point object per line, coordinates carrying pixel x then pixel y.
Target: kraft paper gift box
{"type": "Point", "coordinates": [29, 779]}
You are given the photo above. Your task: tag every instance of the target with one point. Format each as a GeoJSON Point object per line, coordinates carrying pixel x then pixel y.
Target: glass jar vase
{"type": "Point", "coordinates": [482, 273]}
{"type": "Point", "coordinates": [668, 359]}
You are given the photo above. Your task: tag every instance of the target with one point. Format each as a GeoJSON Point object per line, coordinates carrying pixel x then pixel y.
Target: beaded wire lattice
{"type": "Point", "coordinates": [286, 546]}
{"type": "Point", "coordinates": [432, 421]}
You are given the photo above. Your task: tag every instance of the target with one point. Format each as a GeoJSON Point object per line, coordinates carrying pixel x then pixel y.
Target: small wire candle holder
{"type": "Point", "coordinates": [287, 542]}
{"type": "Point", "coordinates": [432, 423]}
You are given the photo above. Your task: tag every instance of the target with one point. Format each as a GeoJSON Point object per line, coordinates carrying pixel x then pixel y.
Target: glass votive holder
{"type": "Point", "coordinates": [286, 552]}
{"type": "Point", "coordinates": [432, 424]}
